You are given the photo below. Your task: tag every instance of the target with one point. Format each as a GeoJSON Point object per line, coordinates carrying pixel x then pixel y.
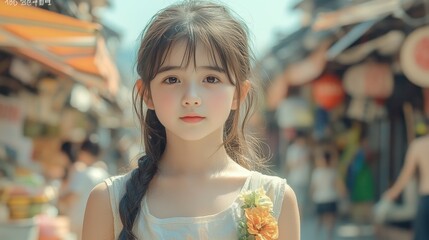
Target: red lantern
{"type": "Point", "coordinates": [328, 91]}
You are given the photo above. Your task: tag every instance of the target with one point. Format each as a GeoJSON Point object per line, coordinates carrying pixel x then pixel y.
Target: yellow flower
{"type": "Point", "coordinates": [247, 196]}
{"type": "Point", "coordinates": [261, 224]}
{"type": "Point", "coordinates": [262, 200]}
{"type": "Point", "coordinates": [256, 198]}
{"type": "Point", "coordinates": [257, 222]}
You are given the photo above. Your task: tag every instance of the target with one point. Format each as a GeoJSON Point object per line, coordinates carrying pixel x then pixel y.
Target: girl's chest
{"type": "Point", "coordinates": [220, 226]}
{"type": "Point", "coordinates": [190, 199]}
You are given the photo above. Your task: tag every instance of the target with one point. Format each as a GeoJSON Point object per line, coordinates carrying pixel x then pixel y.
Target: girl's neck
{"type": "Point", "coordinates": [206, 156]}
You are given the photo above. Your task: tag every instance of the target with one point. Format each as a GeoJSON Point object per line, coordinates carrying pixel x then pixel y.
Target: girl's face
{"type": "Point", "coordinates": [191, 102]}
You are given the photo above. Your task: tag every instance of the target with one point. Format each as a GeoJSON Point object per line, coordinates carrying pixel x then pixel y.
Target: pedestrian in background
{"type": "Point", "coordinates": [87, 172]}
{"type": "Point", "coordinates": [297, 167]}
{"type": "Point", "coordinates": [326, 189]}
{"type": "Point", "coordinates": [416, 161]}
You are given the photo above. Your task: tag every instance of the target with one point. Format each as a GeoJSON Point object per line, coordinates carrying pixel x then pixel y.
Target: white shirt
{"type": "Point", "coordinates": [300, 157]}
{"type": "Point", "coordinates": [81, 183]}
{"type": "Point", "coordinates": [323, 181]}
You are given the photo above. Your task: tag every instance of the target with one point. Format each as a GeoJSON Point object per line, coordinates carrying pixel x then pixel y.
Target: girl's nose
{"type": "Point", "coordinates": [191, 97]}
{"type": "Point", "coordinates": [191, 101]}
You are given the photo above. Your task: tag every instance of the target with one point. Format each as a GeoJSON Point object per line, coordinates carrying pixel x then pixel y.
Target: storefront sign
{"type": "Point", "coordinates": [294, 112]}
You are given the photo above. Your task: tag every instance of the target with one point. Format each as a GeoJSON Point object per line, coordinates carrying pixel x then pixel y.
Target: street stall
{"type": "Point", "coordinates": [57, 79]}
{"type": "Point", "coordinates": [367, 69]}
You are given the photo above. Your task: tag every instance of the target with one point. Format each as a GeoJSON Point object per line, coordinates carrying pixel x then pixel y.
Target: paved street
{"type": "Point", "coordinates": [343, 231]}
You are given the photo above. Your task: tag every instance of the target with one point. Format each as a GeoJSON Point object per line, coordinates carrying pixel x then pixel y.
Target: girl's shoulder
{"type": "Point", "coordinates": [275, 188]}
{"type": "Point", "coordinates": [116, 184]}
{"type": "Point", "coordinates": [268, 182]}
{"type": "Point", "coordinates": [118, 179]}
{"type": "Point", "coordinates": [115, 188]}
{"type": "Point", "coordinates": [285, 206]}
{"type": "Point", "coordinates": [98, 214]}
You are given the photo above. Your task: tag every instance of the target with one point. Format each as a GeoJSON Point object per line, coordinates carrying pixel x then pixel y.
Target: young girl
{"type": "Point", "coordinates": [194, 67]}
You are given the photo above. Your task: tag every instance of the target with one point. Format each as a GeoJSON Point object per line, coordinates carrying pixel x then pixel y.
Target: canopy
{"type": "Point", "coordinates": [64, 45]}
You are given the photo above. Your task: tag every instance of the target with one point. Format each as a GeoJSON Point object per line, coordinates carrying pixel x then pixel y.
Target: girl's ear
{"type": "Point", "coordinates": [141, 89]}
{"type": "Point", "coordinates": [244, 90]}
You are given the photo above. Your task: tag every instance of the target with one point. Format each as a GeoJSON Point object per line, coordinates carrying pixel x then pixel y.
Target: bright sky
{"type": "Point", "coordinates": [264, 18]}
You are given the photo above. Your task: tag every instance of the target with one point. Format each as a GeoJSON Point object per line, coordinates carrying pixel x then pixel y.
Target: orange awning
{"type": "Point", "coordinates": [65, 45]}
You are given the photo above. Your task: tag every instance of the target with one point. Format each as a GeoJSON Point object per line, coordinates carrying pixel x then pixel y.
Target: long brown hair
{"type": "Point", "coordinates": [218, 29]}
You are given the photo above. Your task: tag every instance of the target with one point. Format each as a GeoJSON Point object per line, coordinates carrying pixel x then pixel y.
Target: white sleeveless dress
{"type": "Point", "coordinates": [222, 225]}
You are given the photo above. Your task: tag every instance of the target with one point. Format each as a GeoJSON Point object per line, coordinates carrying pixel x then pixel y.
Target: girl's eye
{"type": "Point", "coordinates": [211, 79]}
{"type": "Point", "coordinates": [171, 80]}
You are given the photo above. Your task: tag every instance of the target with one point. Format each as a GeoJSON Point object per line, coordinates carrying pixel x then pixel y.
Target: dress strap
{"type": "Point", "coordinates": [116, 188]}
{"type": "Point", "coordinates": [255, 181]}
{"type": "Point", "coordinates": [274, 187]}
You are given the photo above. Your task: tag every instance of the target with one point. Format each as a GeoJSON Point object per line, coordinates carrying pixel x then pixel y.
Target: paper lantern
{"type": "Point", "coordinates": [328, 92]}
{"type": "Point", "coordinates": [415, 57]}
{"type": "Point", "coordinates": [369, 80]}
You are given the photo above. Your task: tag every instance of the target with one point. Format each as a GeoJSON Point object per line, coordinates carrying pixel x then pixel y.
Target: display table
{"type": "Point", "coordinates": [23, 229]}
{"type": "Point", "coordinates": [37, 228]}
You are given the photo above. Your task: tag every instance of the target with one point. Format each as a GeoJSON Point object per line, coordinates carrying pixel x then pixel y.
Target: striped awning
{"type": "Point", "coordinates": [62, 44]}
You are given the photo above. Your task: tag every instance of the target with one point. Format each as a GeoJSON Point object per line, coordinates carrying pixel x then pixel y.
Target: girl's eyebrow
{"type": "Point", "coordinates": [169, 68]}
{"type": "Point", "coordinates": [213, 68]}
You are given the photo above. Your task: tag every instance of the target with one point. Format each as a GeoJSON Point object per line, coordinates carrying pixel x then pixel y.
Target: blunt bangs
{"type": "Point", "coordinates": [193, 34]}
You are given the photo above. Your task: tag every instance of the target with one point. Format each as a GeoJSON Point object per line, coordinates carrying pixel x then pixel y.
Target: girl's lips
{"type": "Point", "coordinates": [192, 119]}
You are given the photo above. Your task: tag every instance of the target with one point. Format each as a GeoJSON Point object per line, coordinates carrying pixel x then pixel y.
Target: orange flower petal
{"type": "Point", "coordinates": [261, 223]}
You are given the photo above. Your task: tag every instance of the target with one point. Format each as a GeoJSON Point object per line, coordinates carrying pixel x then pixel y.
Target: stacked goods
{"type": "Point", "coordinates": [19, 206]}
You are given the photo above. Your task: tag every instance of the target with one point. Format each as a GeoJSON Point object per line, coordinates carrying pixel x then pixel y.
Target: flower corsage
{"type": "Point", "coordinates": [257, 222]}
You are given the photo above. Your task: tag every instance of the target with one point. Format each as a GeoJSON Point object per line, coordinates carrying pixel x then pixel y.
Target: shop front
{"type": "Point", "coordinates": [57, 79]}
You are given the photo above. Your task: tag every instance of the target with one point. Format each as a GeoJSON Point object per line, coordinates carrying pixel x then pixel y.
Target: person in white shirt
{"type": "Point", "coordinates": [326, 189]}
{"type": "Point", "coordinates": [81, 182]}
{"type": "Point", "coordinates": [298, 169]}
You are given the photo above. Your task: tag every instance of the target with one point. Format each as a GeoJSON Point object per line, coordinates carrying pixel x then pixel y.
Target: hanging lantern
{"type": "Point", "coordinates": [369, 80]}
{"type": "Point", "coordinates": [328, 92]}
{"type": "Point", "coordinates": [415, 57]}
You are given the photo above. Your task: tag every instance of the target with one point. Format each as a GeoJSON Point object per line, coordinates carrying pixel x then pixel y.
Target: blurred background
{"type": "Point", "coordinates": [345, 86]}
